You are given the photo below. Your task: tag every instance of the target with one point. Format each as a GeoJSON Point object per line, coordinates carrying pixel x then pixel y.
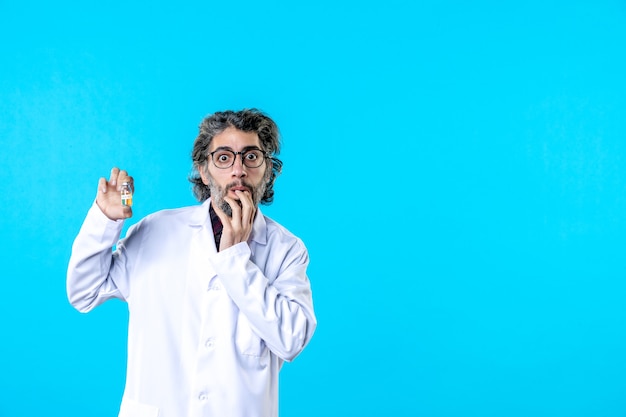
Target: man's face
{"type": "Point", "coordinates": [224, 181]}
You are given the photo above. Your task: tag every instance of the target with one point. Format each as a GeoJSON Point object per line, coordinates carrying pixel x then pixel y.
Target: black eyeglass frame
{"type": "Point", "coordinates": [242, 153]}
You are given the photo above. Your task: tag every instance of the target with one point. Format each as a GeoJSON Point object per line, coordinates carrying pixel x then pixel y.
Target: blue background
{"type": "Point", "coordinates": [455, 168]}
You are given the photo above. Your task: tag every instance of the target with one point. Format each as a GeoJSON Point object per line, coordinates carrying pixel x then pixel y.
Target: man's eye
{"type": "Point", "coordinates": [224, 157]}
{"type": "Point", "coordinates": [252, 156]}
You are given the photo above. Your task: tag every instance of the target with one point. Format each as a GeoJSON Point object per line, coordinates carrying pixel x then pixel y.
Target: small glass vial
{"type": "Point", "coordinates": [127, 195]}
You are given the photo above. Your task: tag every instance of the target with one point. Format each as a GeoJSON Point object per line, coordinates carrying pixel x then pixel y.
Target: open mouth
{"type": "Point", "coordinates": [241, 188]}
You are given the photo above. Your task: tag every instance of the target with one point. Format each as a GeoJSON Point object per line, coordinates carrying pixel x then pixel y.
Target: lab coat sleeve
{"type": "Point", "coordinates": [89, 273]}
{"type": "Point", "coordinates": [280, 312]}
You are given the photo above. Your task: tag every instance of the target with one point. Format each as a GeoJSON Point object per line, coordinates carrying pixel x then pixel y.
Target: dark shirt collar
{"type": "Point", "coordinates": [216, 223]}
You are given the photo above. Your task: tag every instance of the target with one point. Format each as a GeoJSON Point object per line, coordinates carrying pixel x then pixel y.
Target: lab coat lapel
{"type": "Point", "coordinates": [202, 246]}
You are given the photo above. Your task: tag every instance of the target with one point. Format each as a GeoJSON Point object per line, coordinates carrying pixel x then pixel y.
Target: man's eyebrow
{"type": "Point", "coordinates": [246, 149]}
{"type": "Point", "coordinates": [250, 148]}
{"type": "Point", "coordinates": [223, 148]}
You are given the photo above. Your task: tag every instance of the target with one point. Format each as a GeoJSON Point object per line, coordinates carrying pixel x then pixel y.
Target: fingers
{"type": "Point", "coordinates": [127, 212]}
{"type": "Point", "coordinates": [247, 205]}
{"type": "Point", "coordinates": [236, 212]}
{"type": "Point", "coordinates": [102, 185]}
{"type": "Point", "coordinates": [238, 227]}
{"type": "Point", "coordinates": [243, 209]}
{"type": "Point", "coordinates": [117, 177]}
{"type": "Point", "coordinates": [113, 177]}
{"type": "Point", "coordinates": [109, 198]}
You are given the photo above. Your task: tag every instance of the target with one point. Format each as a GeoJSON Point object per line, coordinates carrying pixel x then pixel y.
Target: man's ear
{"type": "Point", "coordinates": [268, 171]}
{"type": "Point", "coordinates": [203, 170]}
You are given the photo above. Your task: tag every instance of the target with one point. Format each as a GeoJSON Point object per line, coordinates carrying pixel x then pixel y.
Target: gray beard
{"type": "Point", "coordinates": [218, 193]}
{"type": "Point", "coordinates": [226, 208]}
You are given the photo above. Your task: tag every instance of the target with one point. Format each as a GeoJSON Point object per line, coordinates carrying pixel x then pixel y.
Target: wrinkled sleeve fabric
{"type": "Point", "coordinates": [93, 264]}
{"type": "Point", "coordinates": [280, 312]}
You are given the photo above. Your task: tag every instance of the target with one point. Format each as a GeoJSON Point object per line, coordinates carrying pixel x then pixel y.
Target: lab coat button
{"type": "Point", "coordinates": [209, 343]}
{"type": "Point", "coordinates": [202, 396]}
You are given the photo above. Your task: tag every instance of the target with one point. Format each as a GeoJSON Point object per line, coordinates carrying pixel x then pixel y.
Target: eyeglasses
{"type": "Point", "coordinates": [225, 158]}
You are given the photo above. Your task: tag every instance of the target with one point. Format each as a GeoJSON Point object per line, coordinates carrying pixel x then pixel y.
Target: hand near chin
{"type": "Point", "coordinates": [237, 228]}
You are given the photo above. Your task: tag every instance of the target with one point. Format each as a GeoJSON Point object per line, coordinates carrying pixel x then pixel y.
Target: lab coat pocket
{"type": "Point", "coordinates": [132, 408]}
{"type": "Point", "coordinates": [248, 343]}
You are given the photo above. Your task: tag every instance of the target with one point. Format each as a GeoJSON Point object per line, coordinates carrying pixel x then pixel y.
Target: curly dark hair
{"type": "Point", "coordinates": [247, 120]}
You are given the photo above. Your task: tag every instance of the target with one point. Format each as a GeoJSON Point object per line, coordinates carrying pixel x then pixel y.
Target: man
{"type": "Point", "coordinates": [217, 293]}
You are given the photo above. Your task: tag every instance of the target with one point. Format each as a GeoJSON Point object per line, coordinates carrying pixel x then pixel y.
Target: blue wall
{"type": "Point", "coordinates": [455, 168]}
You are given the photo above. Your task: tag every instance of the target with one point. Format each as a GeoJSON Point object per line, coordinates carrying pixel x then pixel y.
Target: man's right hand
{"type": "Point", "coordinates": [109, 198]}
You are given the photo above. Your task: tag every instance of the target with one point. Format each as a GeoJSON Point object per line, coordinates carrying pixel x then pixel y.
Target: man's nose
{"type": "Point", "coordinates": [238, 168]}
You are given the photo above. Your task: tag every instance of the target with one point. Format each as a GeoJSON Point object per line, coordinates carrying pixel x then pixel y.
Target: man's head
{"type": "Point", "coordinates": [236, 150]}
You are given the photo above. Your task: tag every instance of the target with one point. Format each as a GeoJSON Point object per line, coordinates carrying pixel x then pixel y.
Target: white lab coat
{"type": "Point", "coordinates": [208, 331]}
